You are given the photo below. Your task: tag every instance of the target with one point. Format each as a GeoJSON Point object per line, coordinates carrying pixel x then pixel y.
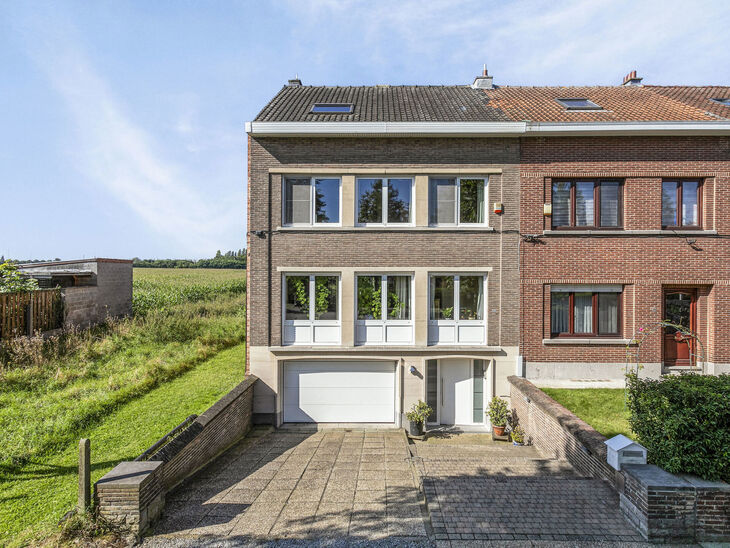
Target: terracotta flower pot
{"type": "Point", "coordinates": [498, 430]}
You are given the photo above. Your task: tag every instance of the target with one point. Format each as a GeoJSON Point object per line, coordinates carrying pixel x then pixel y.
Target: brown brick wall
{"type": "Point", "coordinates": [367, 248]}
{"type": "Point", "coordinates": [644, 263]}
{"type": "Point", "coordinates": [223, 424]}
{"type": "Point", "coordinates": [662, 506]}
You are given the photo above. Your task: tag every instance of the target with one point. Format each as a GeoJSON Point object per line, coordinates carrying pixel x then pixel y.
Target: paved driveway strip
{"type": "Point", "coordinates": [497, 492]}
{"type": "Point", "coordinates": [332, 484]}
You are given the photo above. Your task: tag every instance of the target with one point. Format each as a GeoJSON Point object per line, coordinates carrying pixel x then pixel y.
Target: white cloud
{"type": "Point", "coordinates": [539, 42]}
{"type": "Point", "coordinates": [116, 153]}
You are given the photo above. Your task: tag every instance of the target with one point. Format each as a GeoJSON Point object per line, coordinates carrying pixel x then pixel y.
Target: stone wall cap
{"type": "Point", "coordinates": [651, 476]}
{"type": "Point", "coordinates": [129, 473]}
{"type": "Point", "coordinates": [592, 440]}
{"type": "Point", "coordinates": [707, 485]}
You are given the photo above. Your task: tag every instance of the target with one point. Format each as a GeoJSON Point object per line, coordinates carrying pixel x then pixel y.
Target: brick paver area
{"type": "Point", "coordinates": [498, 492]}
{"type": "Point", "coordinates": [355, 485]}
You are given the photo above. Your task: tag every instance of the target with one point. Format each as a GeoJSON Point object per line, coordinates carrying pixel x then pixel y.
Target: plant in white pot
{"type": "Point", "coordinates": [498, 414]}
{"type": "Point", "coordinates": [417, 417]}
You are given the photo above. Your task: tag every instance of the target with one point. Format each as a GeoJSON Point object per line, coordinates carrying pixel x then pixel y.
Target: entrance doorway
{"type": "Point", "coordinates": [457, 390]}
{"type": "Point", "coordinates": [680, 309]}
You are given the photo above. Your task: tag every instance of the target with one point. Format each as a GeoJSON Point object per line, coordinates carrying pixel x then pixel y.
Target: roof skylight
{"type": "Point", "coordinates": [579, 103]}
{"type": "Point", "coordinates": [723, 101]}
{"type": "Point", "coordinates": [332, 108]}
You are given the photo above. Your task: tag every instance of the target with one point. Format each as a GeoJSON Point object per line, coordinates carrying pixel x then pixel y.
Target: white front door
{"type": "Point", "coordinates": [339, 391]}
{"type": "Point", "coordinates": [456, 391]}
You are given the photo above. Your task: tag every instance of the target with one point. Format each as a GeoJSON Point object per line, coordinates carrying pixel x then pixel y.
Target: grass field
{"type": "Point", "coordinates": [94, 384]}
{"type": "Point", "coordinates": [602, 408]}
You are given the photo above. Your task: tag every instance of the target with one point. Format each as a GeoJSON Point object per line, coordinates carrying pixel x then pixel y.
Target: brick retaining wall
{"type": "Point", "coordinates": [662, 506]}
{"type": "Point", "coordinates": [133, 493]}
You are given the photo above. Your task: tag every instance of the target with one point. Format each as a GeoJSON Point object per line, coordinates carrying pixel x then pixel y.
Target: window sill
{"type": "Point", "coordinates": [384, 228]}
{"type": "Point", "coordinates": [587, 341]}
{"type": "Point", "coordinates": [696, 232]}
{"type": "Point", "coordinates": [367, 349]}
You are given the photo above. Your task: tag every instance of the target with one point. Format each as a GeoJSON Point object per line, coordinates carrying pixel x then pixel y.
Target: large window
{"type": "Point", "coordinates": [311, 309]}
{"type": "Point", "coordinates": [457, 311]}
{"type": "Point", "coordinates": [458, 201]}
{"type": "Point", "coordinates": [590, 313]}
{"type": "Point", "coordinates": [384, 201]}
{"type": "Point", "coordinates": [384, 309]}
{"type": "Point", "coordinates": [309, 201]}
{"type": "Point", "coordinates": [681, 204]}
{"type": "Point", "coordinates": [587, 204]}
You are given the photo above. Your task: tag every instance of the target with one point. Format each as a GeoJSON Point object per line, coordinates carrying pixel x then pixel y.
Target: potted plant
{"type": "Point", "coordinates": [518, 436]}
{"type": "Point", "coordinates": [417, 417]}
{"type": "Point", "coordinates": [498, 414]}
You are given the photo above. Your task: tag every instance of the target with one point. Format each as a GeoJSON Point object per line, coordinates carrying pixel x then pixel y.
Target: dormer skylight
{"type": "Point", "coordinates": [578, 103]}
{"type": "Point", "coordinates": [332, 108]}
{"type": "Point", "coordinates": [723, 101]}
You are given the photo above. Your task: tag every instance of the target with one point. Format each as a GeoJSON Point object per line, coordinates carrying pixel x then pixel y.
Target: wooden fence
{"type": "Point", "coordinates": [42, 308]}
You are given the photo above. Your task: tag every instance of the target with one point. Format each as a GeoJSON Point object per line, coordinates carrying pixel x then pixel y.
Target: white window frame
{"type": "Point", "coordinates": [384, 206]}
{"type": "Point", "coordinates": [363, 326]}
{"type": "Point", "coordinates": [457, 204]}
{"type": "Point", "coordinates": [305, 332]}
{"type": "Point", "coordinates": [312, 201]}
{"type": "Point", "coordinates": [435, 327]}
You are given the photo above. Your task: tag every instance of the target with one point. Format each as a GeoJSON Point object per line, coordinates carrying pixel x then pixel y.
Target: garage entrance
{"type": "Point", "coordinates": [339, 391]}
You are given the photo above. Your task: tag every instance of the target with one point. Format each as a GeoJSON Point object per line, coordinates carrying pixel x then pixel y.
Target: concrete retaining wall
{"type": "Point", "coordinates": [663, 507]}
{"type": "Point", "coordinates": [133, 493]}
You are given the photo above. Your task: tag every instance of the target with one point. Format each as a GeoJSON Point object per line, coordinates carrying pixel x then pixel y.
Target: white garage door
{"type": "Point", "coordinates": [348, 391]}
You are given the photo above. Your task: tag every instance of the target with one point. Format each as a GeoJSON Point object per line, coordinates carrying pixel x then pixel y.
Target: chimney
{"type": "Point", "coordinates": [631, 79]}
{"type": "Point", "coordinates": [484, 81]}
{"type": "Point", "coordinates": [294, 82]}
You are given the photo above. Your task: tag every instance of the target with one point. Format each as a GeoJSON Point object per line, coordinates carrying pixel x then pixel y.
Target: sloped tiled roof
{"type": "Point", "coordinates": [699, 96]}
{"type": "Point", "coordinates": [620, 104]}
{"type": "Point", "coordinates": [382, 104]}
{"type": "Point", "coordinates": [501, 104]}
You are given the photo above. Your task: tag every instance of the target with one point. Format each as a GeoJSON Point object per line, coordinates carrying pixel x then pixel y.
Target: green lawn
{"type": "Point", "coordinates": [34, 496]}
{"type": "Point", "coordinates": [602, 408]}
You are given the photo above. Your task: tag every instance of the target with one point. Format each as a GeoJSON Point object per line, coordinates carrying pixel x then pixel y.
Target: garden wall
{"type": "Point", "coordinates": [133, 493]}
{"type": "Point", "coordinates": [662, 506]}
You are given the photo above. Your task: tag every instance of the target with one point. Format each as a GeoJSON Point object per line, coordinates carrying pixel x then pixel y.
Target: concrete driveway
{"type": "Point", "coordinates": [332, 484]}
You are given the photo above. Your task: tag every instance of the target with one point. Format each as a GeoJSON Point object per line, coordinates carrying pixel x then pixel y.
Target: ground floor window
{"type": "Point", "coordinates": [384, 309]}
{"type": "Point", "coordinates": [457, 309]}
{"type": "Point", "coordinates": [584, 312]}
{"type": "Point", "coordinates": [311, 309]}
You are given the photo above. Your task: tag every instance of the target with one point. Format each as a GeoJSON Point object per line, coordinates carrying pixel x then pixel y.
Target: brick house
{"type": "Point", "coordinates": [385, 258]}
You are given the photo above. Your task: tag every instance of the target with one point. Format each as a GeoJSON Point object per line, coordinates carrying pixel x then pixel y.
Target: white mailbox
{"type": "Point", "coordinates": [621, 450]}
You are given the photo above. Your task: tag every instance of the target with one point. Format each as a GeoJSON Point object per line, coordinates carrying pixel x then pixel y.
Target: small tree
{"type": "Point", "coordinates": [11, 280]}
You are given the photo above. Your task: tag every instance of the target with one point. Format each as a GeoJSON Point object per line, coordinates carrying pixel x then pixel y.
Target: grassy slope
{"type": "Point", "coordinates": [41, 492]}
{"type": "Point", "coordinates": [602, 408]}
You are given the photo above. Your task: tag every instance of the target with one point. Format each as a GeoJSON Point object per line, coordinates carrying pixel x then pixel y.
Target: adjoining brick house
{"type": "Point", "coordinates": [384, 245]}
{"type": "Point", "coordinates": [638, 231]}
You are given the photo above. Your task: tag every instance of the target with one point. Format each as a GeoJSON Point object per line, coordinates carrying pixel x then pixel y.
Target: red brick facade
{"type": "Point", "coordinates": [641, 256]}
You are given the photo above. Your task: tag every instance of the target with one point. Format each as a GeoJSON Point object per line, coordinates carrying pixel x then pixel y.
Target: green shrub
{"type": "Point", "coordinates": [684, 422]}
{"type": "Point", "coordinates": [498, 412]}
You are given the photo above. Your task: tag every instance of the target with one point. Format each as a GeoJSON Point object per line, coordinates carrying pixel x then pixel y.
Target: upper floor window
{"type": "Point", "coordinates": [681, 202]}
{"type": "Point", "coordinates": [458, 201]}
{"type": "Point", "coordinates": [384, 201]}
{"type": "Point", "coordinates": [584, 312]}
{"type": "Point", "coordinates": [311, 200]}
{"type": "Point", "coordinates": [587, 204]}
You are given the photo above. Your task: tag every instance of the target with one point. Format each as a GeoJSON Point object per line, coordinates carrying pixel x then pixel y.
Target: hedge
{"type": "Point", "coordinates": [684, 422]}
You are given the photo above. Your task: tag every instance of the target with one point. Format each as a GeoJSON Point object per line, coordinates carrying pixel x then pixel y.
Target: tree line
{"type": "Point", "coordinates": [229, 259]}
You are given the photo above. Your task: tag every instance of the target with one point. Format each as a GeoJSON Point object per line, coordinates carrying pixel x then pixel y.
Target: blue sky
{"type": "Point", "coordinates": [121, 123]}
